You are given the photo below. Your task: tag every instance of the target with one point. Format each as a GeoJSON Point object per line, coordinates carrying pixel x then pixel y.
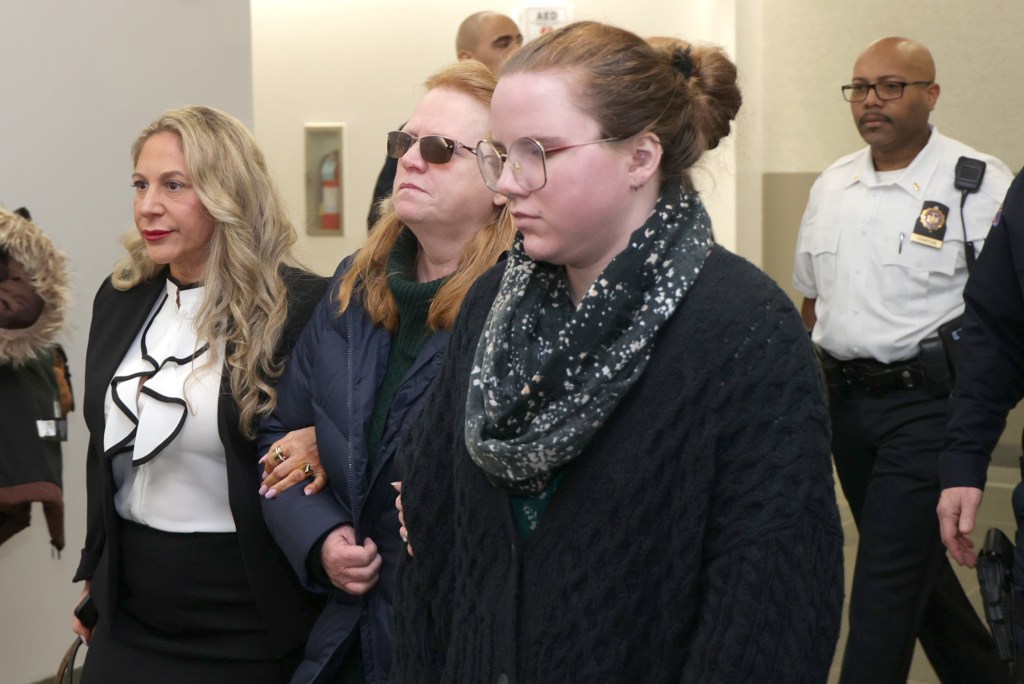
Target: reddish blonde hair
{"type": "Point", "coordinates": [368, 275]}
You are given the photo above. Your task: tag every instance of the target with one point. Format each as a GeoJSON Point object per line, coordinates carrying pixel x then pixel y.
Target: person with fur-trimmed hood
{"type": "Point", "coordinates": [33, 303]}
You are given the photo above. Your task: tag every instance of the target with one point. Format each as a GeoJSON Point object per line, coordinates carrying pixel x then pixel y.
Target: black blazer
{"type": "Point", "coordinates": [117, 317]}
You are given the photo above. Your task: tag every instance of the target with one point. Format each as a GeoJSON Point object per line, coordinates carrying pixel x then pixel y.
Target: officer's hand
{"type": "Point", "coordinates": [958, 509]}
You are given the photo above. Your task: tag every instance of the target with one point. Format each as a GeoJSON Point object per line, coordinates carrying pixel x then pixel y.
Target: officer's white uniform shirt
{"type": "Point", "coordinates": [878, 292]}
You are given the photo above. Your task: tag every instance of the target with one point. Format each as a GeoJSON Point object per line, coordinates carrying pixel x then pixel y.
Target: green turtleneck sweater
{"type": "Point", "coordinates": [413, 301]}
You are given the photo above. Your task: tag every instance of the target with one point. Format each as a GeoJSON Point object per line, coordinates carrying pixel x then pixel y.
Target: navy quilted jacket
{"type": "Point", "coordinates": [331, 381]}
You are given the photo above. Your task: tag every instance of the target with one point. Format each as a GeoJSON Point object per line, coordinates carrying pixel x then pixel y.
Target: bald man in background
{"type": "Point", "coordinates": [882, 259]}
{"type": "Point", "coordinates": [488, 37]}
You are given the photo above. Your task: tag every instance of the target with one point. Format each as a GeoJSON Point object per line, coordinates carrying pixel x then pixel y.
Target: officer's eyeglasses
{"type": "Point", "coordinates": [435, 149]}
{"type": "Point", "coordinates": [527, 159]}
{"type": "Point", "coordinates": [885, 90]}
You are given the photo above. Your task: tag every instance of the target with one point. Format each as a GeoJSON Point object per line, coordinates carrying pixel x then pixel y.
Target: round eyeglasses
{"type": "Point", "coordinates": [885, 90]}
{"type": "Point", "coordinates": [526, 157]}
{"type": "Point", "coordinates": [435, 149]}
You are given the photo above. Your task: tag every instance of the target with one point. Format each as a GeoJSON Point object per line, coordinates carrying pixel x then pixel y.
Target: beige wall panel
{"type": "Point", "coordinates": [785, 195]}
{"type": "Point", "coordinates": [810, 47]}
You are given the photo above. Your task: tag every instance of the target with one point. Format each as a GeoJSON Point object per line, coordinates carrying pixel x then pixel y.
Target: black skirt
{"type": "Point", "coordinates": [185, 613]}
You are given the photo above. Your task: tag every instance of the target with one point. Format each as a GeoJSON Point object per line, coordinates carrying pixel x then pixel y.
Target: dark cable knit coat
{"type": "Point", "coordinates": [696, 539]}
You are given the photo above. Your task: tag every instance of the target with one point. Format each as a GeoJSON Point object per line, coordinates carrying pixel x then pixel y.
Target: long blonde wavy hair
{"type": "Point", "coordinates": [246, 301]}
{"type": "Point", "coordinates": [368, 276]}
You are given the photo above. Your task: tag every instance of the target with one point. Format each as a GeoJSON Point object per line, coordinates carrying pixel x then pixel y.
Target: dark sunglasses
{"type": "Point", "coordinates": [435, 149]}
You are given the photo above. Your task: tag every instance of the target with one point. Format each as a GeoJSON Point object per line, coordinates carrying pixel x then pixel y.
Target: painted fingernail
{"type": "Point", "coordinates": [263, 490]}
{"type": "Point", "coordinates": [271, 493]}
{"type": "Point", "coordinates": [308, 491]}
{"type": "Point", "coordinates": [262, 460]}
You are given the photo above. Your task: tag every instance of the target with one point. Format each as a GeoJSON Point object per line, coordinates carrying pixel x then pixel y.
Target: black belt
{"type": "Point", "coordinates": [871, 376]}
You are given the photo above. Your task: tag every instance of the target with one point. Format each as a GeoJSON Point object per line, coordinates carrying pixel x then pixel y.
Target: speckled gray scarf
{"type": "Point", "coordinates": [546, 374]}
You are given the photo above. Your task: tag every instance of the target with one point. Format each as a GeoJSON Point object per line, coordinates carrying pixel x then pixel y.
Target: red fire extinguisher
{"type": "Point", "coordinates": [330, 188]}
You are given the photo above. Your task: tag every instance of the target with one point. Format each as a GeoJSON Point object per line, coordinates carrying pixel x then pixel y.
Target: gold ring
{"type": "Point", "coordinates": [308, 469]}
{"type": "Point", "coordinates": [279, 455]}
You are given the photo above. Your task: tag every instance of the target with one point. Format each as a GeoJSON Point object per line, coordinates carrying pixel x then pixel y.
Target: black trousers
{"type": "Point", "coordinates": [886, 450]}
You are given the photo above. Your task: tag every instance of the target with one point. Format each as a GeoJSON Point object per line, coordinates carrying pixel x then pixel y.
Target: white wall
{"type": "Point", "coordinates": [748, 137]}
{"type": "Point", "coordinates": [80, 80]}
{"type": "Point", "coordinates": [810, 47]}
{"type": "Point", "coordinates": [362, 64]}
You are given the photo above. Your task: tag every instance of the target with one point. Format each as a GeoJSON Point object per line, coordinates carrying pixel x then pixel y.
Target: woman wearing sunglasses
{"type": "Point", "coordinates": [360, 372]}
{"type": "Point", "coordinates": [623, 472]}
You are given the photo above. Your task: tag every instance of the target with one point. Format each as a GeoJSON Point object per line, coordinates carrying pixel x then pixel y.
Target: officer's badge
{"type": "Point", "coordinates": [931, 225]}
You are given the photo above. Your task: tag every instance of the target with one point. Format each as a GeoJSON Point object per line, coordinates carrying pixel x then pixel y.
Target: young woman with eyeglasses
{"type": "Point", "coordinates": [623, 473]}
{"type": "Point", "coordinates": [361, 370]}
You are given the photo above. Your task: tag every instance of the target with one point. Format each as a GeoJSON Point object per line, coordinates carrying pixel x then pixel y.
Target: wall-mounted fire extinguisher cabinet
{"type": "Point", "coordinates": [324, 179]}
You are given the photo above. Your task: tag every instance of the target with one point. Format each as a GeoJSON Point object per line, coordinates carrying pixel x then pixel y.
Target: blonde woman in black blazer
{"type": "Point", "coordinates": [187, 340]}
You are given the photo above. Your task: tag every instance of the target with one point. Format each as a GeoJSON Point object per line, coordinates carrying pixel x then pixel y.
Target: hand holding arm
{"type": "Point", "coordinates": [284, 464]}
{"type": "Point", "coordinates": [958, 510]}
{"type": "Point", "coordinates": [402, 531]}
{"type": "Point", "coordinates": [351, 567]}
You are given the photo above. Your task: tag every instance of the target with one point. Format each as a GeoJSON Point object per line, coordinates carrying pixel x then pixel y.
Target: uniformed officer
{"type": "Point", "coordinates": [990, 374]}
{"type": "Point", "coordinates": [882, 261]}
{"type": "Point", "coordinates": [989, 382]}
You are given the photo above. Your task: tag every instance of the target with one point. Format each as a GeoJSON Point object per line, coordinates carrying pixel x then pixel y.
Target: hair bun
{"type": "Point", "coordinates": [682, 62]}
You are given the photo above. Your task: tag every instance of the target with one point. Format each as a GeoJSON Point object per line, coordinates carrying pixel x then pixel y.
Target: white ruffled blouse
{"type": "Point", "coordinates": [161, 431]}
